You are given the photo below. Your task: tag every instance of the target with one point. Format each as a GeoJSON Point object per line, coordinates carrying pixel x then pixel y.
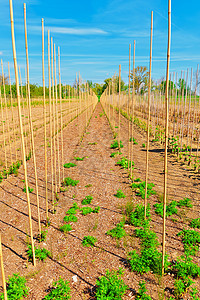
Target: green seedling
{"type": "Point", "coordinates": [133, 140]}
{"type": "Point", "coordinates": [29, 189]}
{"type": "Point", "coordinates": [141, 295]}
{"type": "Point", "coordinates": [42, 237]}
{"type": "Point", "coordinates": [195, 223]}
{"type": "Point", "coordinates": [40, 253]}
{"type": "Point", "coordinates": [88, 185]}
{"type": "Point", "coordinates": [125, 163]}
{"type": "Point", "coordinates": [136, 217]}
{"type": "Point", "coordinates": [171, 209]}
{"type": "Point", "coordinates": [16, 288]}
{"type": "Point", "coordinates": [87, 200]}
{"type": "Point", "coordinates": [65, 228]}
{"type": "Point", "coordinates": [120, 194]}
{"type": "Point", "coordinates": [88, 210]}
{"type": "Point", "coordinates": [70, 218]}
{"type": "Point", "coordinates": [70, 182]}
{"type": "Point", "coordinates": [115, 145]}
{"type": "Point", "coordinates": [89, 241]}
{"type": "Point", "coordinates": [139, 188]}
{"type": "Point", "coordinates": [118, 232]}
{"type": "Point", "coordinates": [79, 158]}
{"type": "Point", "coordinates": [111, 286]}
{"type": "Point", "coordinates": [69, 165]}
{"type": "Point", "coordinates": [143, 145]}
{"type": "Point", "coordinates": [60, 290]}
{"type": "Point", "coordinates": [191, 240]}
{"type": "Point", "coordinates": [186, 202]}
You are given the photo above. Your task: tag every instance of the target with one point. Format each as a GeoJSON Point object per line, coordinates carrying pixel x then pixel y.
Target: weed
{"type": "Point", "coordinates": [120, 194]}
{"type": "Point", "coordinates": [195, 223]}
{"type": "Point", "coordinates": [87, 200]}
{"type": "Point", "coordinates": [40, 253]}
{"type": "Point", "coordinates": [191, 240]}
{"type": "Point", "coordinates": [65, 228]}
{"type": "Point", "coordinates": [141, 295]}
{"type": "Point", "coordinates": [111, 286]}
{"type": "Point", "coordinates": [60, 290]}
{"type": "Point", "coordinates": [69, 165]}
{"type": "Point", "coordinates": [16, 287]}
{"type": "Point", "coordinates": [140, 189]}
{"type": "Point", "coordinates": [125, 163]}
{"type": "Point", "coordinates": [89, 241]}
{"type": "Point", "coordinates": [29, 189]}
{"type": "Point", "coordinates": [79, 158]}
{"type": "Point", "coordinates": [115, 145]}
{"type": "Point", "coordinates": [118, 232]}
{"type": "Point", "coordinates": [70, 182]}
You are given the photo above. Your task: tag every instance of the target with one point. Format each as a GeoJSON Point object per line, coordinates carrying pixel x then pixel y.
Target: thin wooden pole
{"type": "Point", "coordinates": [4, 140]}
{"type": "Point", "coordinates": [129, 124]}
{"type": "Point", "coordinates": [188, 125]}
{"type": "Point", "coordinates": [23, 111]}
{"type": "Point", "coordinates": [2, 272]}
{"type": "Point", "coordinates": [50, 122]}
{"type": "Point", "coordinates": [119, 100]}
{"type": "Point", "coordinates": [61, 117]}
{"type": "Point", "coordinates": [21, 129]}
{"type": "Point", "coordinates": [30, 120]}
{"type": "Point", "coordinates": [148, 120]}
{"type": "Point", "coordinates": [45, 125]}
{"type": "Point", "coordinates": [166, 137]}
{"type": "Point", "coordinates": [133, 107]}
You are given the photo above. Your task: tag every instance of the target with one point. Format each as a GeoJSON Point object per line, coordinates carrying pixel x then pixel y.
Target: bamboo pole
{"type": "Point", "coordinates": [148, 120]}
{"type": "Point", "coordinates": [194, 114]}
{"type": "Point", "coordinates": [4, 140]}
{"type": "Point", "coordinates": [2, 272]}
{"type": "Point", "coordinates": [23, 111]}
{"type": "Point", "coordinates": [30, 121]}
{"type": "Point", "coordinates": [166, 137]}
{"type": "Point", "coordinates": [21, 129]}
{"type": "Point", "coordinates": [133, 108]}
{"type": "Point", "coordinates": [119, 99]}
{"type": "Point", "coordinates": [129, 125]}
{"type": "Point", "coordinates": [13, 119]}
{"type": "Point", "coordinates": [50, 122]}
{"type": "Point", "coordinates": [45, 125]}
{"type": "Point", "coordinates": [188, 125]}
{"type": "Point", "coordinates": [61, 118]}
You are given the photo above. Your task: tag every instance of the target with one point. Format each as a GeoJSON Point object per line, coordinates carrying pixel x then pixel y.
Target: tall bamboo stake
{"type": "Point", "coordinates": [45, 125]}
{"type": "Point", "coordinates": [13, 119]}
{"type": "Point", "coordinates": [188, 125]}
{"type": "Point", "coordinates": [23, 111]}
{"type": "Point", "coordinates": [119, 99]}
{"type": "Point", "coordinates": [4, 140]}
{"type": "Point", "coordinates": [194, 113]}
{"type": "Point", "coordinates": [133, 107]}
{"type": "Point", "coordinates": [50, 122]}
{"type": "Point", "coordinates": [30, 121]}
{"type": "Point", "coordinates": [129, 84]}
{"type": "Point", "coordinates": [2, 272]}
{"type": "Point", "coordinates": [148, 120]}
{"type": "Point", "coordinates": [166, 135]}
{"type": "Point", "coordinates": [61, 118]}
{"type": "Point", "coordinates": [21, 129]}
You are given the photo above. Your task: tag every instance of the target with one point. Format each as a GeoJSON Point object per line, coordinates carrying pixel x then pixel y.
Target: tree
{"type": "Point", "coordinates": [141, 79]}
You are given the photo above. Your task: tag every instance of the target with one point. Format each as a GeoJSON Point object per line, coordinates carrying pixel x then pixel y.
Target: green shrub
{"type": "Point", "coordinates": [40, 253]}
{"type": "Point", "coordinates": [66, 228]}
{"type": "Point", "coordinates": [195, 223]}
{"type": "Point", "coordinates": [141, 295]}
{"type": "Point", "coordinates": [115, 145]}
{"type": "Point", "coordinates": [60, 290]}
{"type": "Point", "coordinates": [70, 182]}
{"type": "Point", "coordinates": [69, 165]}
{"type": "Point", "coordinates": [118, 232]}
{"type": "Point", "coordinates": [89, 241]}
{"type": "Point", "coordinates": [120, 194]}
{"type": "Point", "coordinates": [111, 286]}
{"type": "Point", "coordinates": [16, 288]}
{"type": "Point", "coordinates": [191, 240]}
{"type": "Point", "coordinates": [140, 189]}
{"type": "Point", "coordinates": [87, 200]}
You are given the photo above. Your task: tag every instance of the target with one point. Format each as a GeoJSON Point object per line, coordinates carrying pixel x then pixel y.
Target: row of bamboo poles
{"type": "Point", "coordinates": [127, 104]}
{"type": "Point", "coordinates": [57, 114]}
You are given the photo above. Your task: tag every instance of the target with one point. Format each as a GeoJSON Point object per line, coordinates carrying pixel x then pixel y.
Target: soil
{"type": "Point", "coordinates": [100, 177]}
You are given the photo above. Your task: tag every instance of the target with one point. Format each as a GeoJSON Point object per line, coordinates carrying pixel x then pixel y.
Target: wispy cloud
{"type": "Point", "coordinates": [78, 31]}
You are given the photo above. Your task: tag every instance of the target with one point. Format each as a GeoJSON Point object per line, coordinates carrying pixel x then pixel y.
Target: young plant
{"type": "Point", "coordinates": [195, 223]}
{"type": "Point", "coordinates": [139, 188]}
{"type": "Point", "coordinates": [70, 182]}
{"type": "Point", "coordinates": [115, 153]}
{"type": "Point", "coordinates": [79, 158]}
{"type": "Point", "coordinates": [87, 200]}
{"type": "Point", "coordinates": [143, 145]}
{"type": "Point", "coordinates": [136, 217]}
{"type": "Point", "coordinates": [120, 194]}
{"type": "Point", "coordinates": [111, 286]}
{"type": "Point", "coordinates": [89, 241]}
{"type": "Point", "coordinates": [70, 218]}
{"type": "Point", "coordinates": [60, 290]}
{"type": "Point", "coordinates": [170, 209]}
{"type": "Point", "coordinates": [40, 253]}
{"type": "Point", "coordinates": [185, 267]}
{"type": "Point", "coordinates": [124, 163]}
{"type": "Point", "coordinates": [88, 210]}
{"type": "Point", "coordinates": [134, 141]}
{"type": "Point", "coordinates": [115, 145]}
{"type": "Point", "coordinates": [191, 240]}
{"type": "Point", "coordinates": [69, 165]}
{"type": "Point", "coordinates": [181, 285]}
{"type": "Point", "coordinates": [16, 288]}
{"type": "Point", "coordinates": [42, 236]}
{"type": "Point", "coordinates": [141, 295]}
{"type": "Point", "coordinates": [29, 189]}
{"type": "Point", "coordinates": [185, 202]}
{"type": "Point", "coordinates": [118, 232]}
{"type": "Point", "coordinates": [66, 228]}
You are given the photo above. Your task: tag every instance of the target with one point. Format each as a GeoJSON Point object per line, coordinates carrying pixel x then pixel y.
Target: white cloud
{"type": "Point", "coordinates": [1, 53]}
{"type": "Point", "coordinates": [78, 31]}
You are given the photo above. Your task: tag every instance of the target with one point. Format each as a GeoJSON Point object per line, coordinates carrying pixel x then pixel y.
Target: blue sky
{"type": "Point", "coordinates": [94, 36]}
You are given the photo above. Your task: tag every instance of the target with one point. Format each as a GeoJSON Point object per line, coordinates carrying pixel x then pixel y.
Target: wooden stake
{"type": "Point", "coordinates": [148, 120]}
{"type": "Point", "coordinates": [30, 120]}
{"type": "Point", "coordinates": [119, 105]}
{"type": "Point", "coordinates": [166, 136]}
{"type": "Point", "coordinates": [2, 272]}
{"type": "Point", "coordinates": [21, 129]}
{"type": "Point", "coordinates": [128, 113]}
{"type": "Point", "coordinates": [4, 139]}
{"type": "Point", "coordinates": [61, 118]}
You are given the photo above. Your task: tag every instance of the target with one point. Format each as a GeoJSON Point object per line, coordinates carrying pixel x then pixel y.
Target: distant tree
{"type": "Point", "coordinates": [141, 79]}
{"type": "Point", "coordinates": [5, 79]}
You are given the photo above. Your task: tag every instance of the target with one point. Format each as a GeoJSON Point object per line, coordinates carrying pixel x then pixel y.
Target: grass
{"type": "Point", "coordinates": [89, 241]}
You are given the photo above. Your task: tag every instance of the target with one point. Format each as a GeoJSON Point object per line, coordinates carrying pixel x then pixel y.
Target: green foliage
{"type": "Point", "coordinates": [70, 218]}
{"type": "Point", "coordinates": [88, 210]}
{"type": "Point", "coordinates": [120, 194]}
{"type": "Point", "coordinates": [89, 241]}
{"type": "Point", "coordinates": [115, 145]}
{"type": "Point", "coordinates": [143, 145]}
{"type": "Point", "coordinates": [66, 228]}
{"type": "Point", "coordinates": [60, 290]}
{"type": "Point", "coordinates": [181, 286]}
{"type": "Point", "coordinates": [88, 185]}
{"type": "Point", "coordinates": [28, 157]}
{"type": "Point", "coordinates": [136, 217]}
{"type": "Point", "coordinates": [40, 253]}
{"type": "Point", "coordinates": [111, 286]}
{"type": "Point", "coordinates": [29, 189]}
{"type": "Point", "coordinates": [79, 158]}
{"type": "Point", "coordinates": [118, 232]}
{"type": "Point", "coordinates": [186, 202]}
{"type": "Point", "coordinates": [140, 189]}
{"type": "Point", "coordinates": [191, 240]}
{"type": "Point", "coordinates": [69, 165]}
{"type": "Point", "coordinates": [170, 209]}
{"type": "Point", "coordinates": [115, 153]}
{"type": "Point", "coordinates": [124, 163]}
{"type": "Point", "coordinates": [42, 236]}
{"type": "Point", "coordinates": [72, 210]}
{"type": "Point", "coordinates": [70, 182]}
{"type": "Point", "coordinates": [13, 169]}
{"type": "Point", "coordinates": [194, 293]}
{"type": "Point", "coordinates": [134, 141]}
{"type": "Point", "coordinates": [195, 223]}
{"type": "Point", "coordinates": [141, 295]}
{"type": "Point", "coordinates": [185, 267]}
{"type": "Point", "coordinates": [16, 288]}
{"type": "Point", "coordinates": [87, 200]}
